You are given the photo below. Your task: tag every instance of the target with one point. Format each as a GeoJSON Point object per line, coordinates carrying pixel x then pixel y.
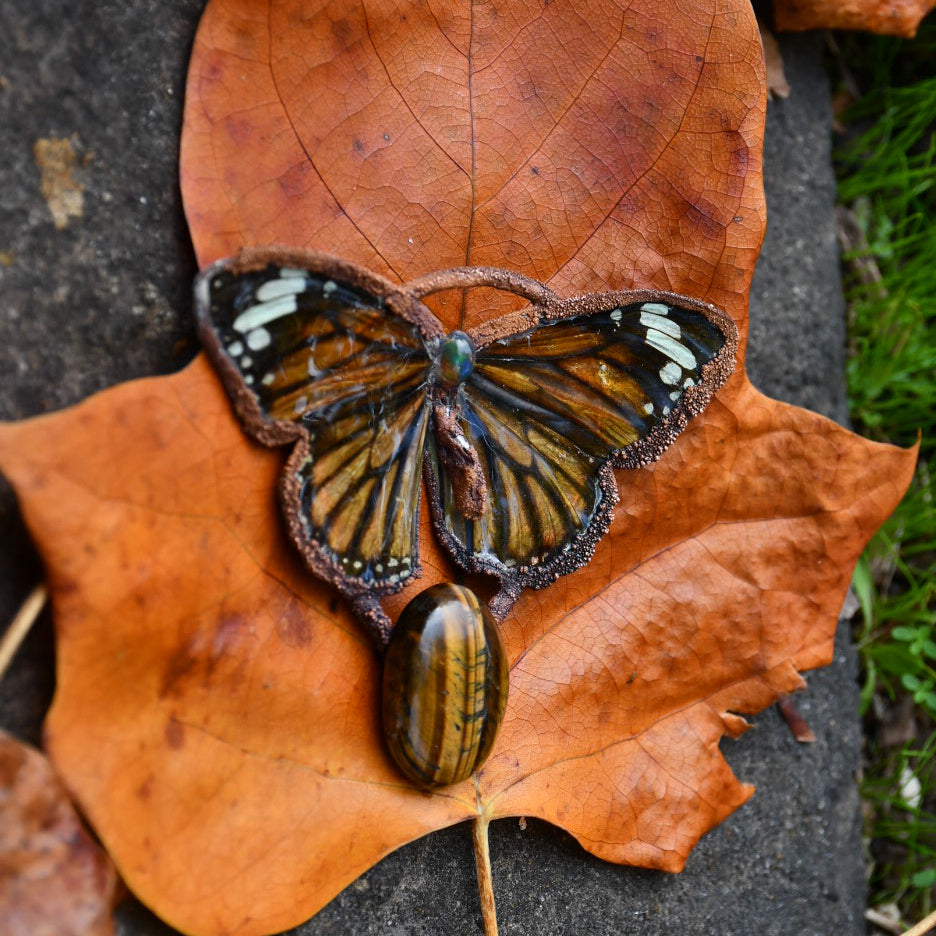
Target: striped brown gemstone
{"type": "Point", "coordinates": [444, 686]}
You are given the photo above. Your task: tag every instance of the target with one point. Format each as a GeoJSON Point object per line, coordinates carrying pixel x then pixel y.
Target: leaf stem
{"type": "Point", "coordinates": [479, 835]}
{"type": "Point", "coordinates": [19, 628]}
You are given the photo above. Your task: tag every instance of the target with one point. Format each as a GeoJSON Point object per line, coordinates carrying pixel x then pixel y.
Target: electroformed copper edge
{"type": "Point", "coordinates": [405, 301]}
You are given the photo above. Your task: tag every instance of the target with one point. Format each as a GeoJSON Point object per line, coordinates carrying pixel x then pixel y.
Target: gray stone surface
{"type": "Point", "coordinates": [106, 299]}
{"type": "Point", "coordinates": [796, 349]}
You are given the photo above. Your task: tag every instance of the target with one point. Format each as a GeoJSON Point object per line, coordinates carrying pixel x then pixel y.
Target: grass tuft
{"type": "Point", "coordinates": [887, 187]}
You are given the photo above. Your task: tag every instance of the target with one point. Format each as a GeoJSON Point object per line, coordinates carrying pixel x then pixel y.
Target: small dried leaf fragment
{"type": "Point", "coordinates": [797, 724]}
{"type": "Point", "coordinates": [885, 17]}
{"type": "Point", "coordinates": [777, 84]}
{"type": "Point", "coordinates": [56, 159]}
{"type": "Point", "coordinates": [54, 880]}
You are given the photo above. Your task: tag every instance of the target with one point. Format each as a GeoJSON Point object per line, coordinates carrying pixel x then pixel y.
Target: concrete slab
{"type": "Point", "coordinates": [106, 298]}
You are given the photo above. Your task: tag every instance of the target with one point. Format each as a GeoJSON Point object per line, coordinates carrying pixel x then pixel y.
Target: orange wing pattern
{"type": "Point", "coordinates": [552, 410]}
{"type": "Point", "coordinates": [527, 431]}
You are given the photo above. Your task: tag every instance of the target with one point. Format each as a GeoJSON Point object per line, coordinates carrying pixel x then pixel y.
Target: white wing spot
{"type": "Point", "coordinates": [688, 382]}
{"type": "Point", "coordinates": [300, 404]}
{"type": "Point", "coordinates": [665, 325]}
{"type": "Point", "coordinates": [274, 289]}
{"type": "Point", "coordinates": [289, 272]}
{"type": "Point", "coordinates": [246, 362]}
{"type": "Point", "coordinates": [616, 315]}
{"type": "Point", "coordinates": [258, 339]}
{"type": "Point", "coordinates": [235, 348]}
{"type": "Point", "coordinates": [672, 349]}
{"type": "Point", "coordinates": [655, 308]}
{"type": "Point", "coordinates": [264, 312]}
{"type": "Point", "coordinates": [329, 286]}
{"type": "Point", "coordinates": [670, 373]}
{"type": "Point", "coordinates": [648, 408]}
{"type": "Point", "coordinates": [268, 379]}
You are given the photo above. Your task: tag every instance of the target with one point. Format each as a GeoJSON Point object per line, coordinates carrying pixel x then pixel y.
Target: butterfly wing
{"type": "Point", "coordinates": [552, 410]}
{"type": "Point", "coordinates": [315, 360]}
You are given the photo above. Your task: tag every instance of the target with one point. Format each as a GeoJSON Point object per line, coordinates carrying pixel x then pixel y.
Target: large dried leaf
{"type": "Point", "coordinates": [54, 880]}
{"type": "Point", "coordinates": [238, 777]}
{"type": "Point", "coordinates": [584, 144]}
{"type": "Point", "coordinates": [240, 781]}
{"type": "Point", "coordinates": [885, 17]}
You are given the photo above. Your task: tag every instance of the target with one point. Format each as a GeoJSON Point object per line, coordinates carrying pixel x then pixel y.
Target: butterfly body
{"type": "Point", "coordinates": [517, 425]}
{"type": "Point", "coordinates": [455, 359]}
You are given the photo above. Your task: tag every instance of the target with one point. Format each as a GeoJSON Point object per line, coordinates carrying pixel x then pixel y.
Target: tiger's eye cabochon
{"type": "Point", "coordinates": [444, 686]}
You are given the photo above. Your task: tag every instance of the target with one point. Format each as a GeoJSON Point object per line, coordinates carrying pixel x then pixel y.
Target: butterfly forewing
{"type": "Point", "coordinates": [329, 357]}
{"type": "Point", "coordinates": [548, 409]}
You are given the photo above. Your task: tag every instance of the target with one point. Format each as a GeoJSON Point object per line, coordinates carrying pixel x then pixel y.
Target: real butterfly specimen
{"type": "Point", "coordinates": [516, 425]}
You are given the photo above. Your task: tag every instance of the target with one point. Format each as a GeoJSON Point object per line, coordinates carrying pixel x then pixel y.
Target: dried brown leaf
{"type": "Point", "coordinates": [241, 782]}
{"type": "Point", "coordinates": [54, 880]}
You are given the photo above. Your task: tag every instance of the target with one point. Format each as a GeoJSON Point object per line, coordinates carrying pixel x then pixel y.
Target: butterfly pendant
{"type": "Point", "coordinates": [516, 425]}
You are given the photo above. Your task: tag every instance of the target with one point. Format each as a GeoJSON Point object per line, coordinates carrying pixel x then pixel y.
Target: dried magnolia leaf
{"type": "Point", "coordinates": [54, 880]}
{"type": "Point", "coordinates": [240, 780]}
{"type": "Point", "coordinates": [231, 699]}
{"type": "Point", "coordinates": [886, 17]}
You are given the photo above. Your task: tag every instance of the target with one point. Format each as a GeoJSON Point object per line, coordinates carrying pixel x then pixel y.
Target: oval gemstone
{"type": "Point", "coordinates": [456, 358]}
{"type": "Point", "coordinates": [444, 686]}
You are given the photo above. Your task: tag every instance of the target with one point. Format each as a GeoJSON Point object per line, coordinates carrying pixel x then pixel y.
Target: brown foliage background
{"type": "Point", "coordinates": [886, 17]}
{"type": "Point", "coordinates": [54, 879]}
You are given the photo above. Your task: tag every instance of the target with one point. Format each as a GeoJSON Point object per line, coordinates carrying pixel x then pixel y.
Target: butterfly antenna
{"type": "Point", "coordinates": [472, 277]}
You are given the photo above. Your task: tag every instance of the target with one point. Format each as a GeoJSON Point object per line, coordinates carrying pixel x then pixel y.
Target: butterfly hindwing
{"type": "Point", "coordinates": [551, 410]}
{"type": "Point", "coordinates": [300, 349]}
